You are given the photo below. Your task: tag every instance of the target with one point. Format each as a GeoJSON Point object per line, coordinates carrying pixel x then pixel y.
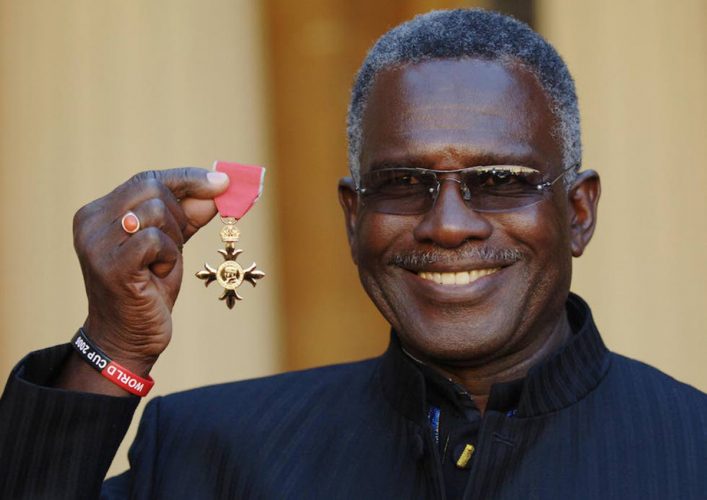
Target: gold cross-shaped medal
{"type": "Point", "coordinates": [230, 275]}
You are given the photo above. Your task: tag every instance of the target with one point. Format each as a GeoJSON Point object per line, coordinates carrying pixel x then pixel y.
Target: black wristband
{"type": "Point", "coordinates": [90, 352]}
{"type": "Point", "coordinates": [111, 370]}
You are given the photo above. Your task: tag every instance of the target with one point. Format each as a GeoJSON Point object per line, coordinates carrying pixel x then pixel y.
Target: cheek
{"type": "Point", "coordinates": [544, 227]}
{"type": "Point", "coordinates": [376, 237]}
{"type": "Point", "coordinates": [546, 237]}
{"type": "Point", "coordinates": [542, 233]}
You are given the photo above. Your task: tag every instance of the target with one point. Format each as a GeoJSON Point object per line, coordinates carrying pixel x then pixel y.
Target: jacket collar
{"type": "Point", "coordinates": [561, 380]}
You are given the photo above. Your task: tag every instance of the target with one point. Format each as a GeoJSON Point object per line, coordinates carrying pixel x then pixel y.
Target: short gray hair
{"type": "Point", "coordinates": [470, 33]}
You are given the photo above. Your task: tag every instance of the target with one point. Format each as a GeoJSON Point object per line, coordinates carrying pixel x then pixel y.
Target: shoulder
{"type": "Point", "coordinates": [320, 379]}
{"type": "Point", "coordinates": [285, 392]}
{"type": "Point", "coordinates": [249, 427]}
{"type": "Point", "coordinates": [641, 380]}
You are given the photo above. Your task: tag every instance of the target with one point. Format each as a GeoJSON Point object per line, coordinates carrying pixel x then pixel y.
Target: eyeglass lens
{"type": "Point", "coordinates": [413, 191]}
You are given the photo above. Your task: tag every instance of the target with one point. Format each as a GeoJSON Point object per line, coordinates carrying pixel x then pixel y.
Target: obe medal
{"type": "Point", "coordinates": [244, 189]}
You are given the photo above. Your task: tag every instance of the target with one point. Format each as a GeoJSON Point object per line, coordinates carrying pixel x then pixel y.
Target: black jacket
{"type": "Point", "coordinates": [586, 424]}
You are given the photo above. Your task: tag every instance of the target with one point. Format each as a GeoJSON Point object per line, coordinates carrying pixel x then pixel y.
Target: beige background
{"type": "Point", "coordinates": [641, 73]}
{"type": "Point", "coordinates": [92, 92]}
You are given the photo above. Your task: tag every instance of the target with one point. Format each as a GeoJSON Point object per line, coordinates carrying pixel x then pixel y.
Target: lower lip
{"type": "Point", "coordinates": [470, 292]}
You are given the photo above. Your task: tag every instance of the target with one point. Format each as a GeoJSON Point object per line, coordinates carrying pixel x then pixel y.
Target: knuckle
{"type": "Point", "coordinates": [185, 174]}
{"type": "Point", "coordinates": [80, 215]}
{"type": "Point", "coordinates": [152, 236]}
{"type": "Point", "coordinates": [156, 209]}
{"type": "Point", "coordinates": [147, 181]}
{"type": "Point", "coordinates": [160, 215]}
{"type": "Point", "coordinates": [84, 213]}
{"type": "Point", "coordinates": [80, 221]}
{"type": "Point", "coordinates": [77, 227]}
{"type": "Point", "coordinates": [182, 173]}
{"type": "Point", "coordinates": [187, 177]}
{"type": "Point", "coordinates": [145, 176]}
{"type": "Point", "coordinates": [152, 186]}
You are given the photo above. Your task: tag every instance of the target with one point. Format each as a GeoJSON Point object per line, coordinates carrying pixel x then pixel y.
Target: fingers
{"type": "Point", "coordinates": [133, 278]}
{"type": "Point", "coordinates": [177, 202]}
{"type": "Point", "coordinates": [186, 182]}
{"type": "Point", "coordinates": [186, 192]}
{"type": "Point", "coordinates": [150, 248]}
{"type": "Point", "coordinates": [159, 252]}
{"type": "Point", "coordinates": [165, 215]}
{"type": "Point", "coordinates": [188, 216]}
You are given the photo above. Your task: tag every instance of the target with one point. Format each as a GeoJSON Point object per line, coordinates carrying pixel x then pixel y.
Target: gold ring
{"type": "Point", "coordinates": [130, 223]}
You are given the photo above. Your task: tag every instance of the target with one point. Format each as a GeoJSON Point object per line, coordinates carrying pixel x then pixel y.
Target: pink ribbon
{"type": "Point", "coordinates": [244, 189]}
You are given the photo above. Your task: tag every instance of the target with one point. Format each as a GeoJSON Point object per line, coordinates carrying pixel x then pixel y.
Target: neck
{"type": "Point", "coordinates": [478, 380]}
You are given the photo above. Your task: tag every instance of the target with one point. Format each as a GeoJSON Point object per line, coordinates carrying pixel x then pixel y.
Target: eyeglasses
{"type": "Point", "coordinates": [493, 188]}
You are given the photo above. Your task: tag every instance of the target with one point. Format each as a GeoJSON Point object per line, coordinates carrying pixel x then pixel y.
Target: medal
{"type": "Point", "coordinates": [243, 191]}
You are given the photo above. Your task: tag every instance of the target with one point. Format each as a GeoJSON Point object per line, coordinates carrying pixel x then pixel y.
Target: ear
{"type": "Point", "coordinates": [348, 198]}
{"type": "Point", "coordinates": [584, 200]}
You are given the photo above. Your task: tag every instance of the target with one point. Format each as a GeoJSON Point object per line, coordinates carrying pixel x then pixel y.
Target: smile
{"type": "Point", "coordinates": [459, 278]}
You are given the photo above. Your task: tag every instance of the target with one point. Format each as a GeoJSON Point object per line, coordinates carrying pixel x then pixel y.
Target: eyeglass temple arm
{"type": "Point", "coordinates": [548, 184]}
{"type": "Point", "coordinates": [347, 182]}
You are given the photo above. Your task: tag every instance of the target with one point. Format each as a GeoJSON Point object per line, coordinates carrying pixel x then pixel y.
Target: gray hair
{"type": "Point", "coordinates": [470, 33]}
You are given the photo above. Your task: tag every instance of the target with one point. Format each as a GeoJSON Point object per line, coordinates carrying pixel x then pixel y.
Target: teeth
{"type": "Point", "coordinates": [460, 278]}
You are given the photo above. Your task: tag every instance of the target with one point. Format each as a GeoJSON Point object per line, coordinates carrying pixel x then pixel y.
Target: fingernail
{"type": "Point", "coordinates": [217, 178]}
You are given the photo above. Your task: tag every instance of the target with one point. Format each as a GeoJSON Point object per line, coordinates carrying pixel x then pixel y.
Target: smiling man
{"type": "Point", "coordinates": [464, 227]}
{"type": "Point", "coordinates": [465, 207]}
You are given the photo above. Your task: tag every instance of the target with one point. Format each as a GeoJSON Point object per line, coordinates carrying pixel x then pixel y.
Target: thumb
{"type": "Point", "coordinates": [192, 182]}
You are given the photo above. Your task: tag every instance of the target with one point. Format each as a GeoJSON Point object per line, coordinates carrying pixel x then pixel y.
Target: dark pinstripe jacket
{"type": "Point", "coordinates": [587, 424]}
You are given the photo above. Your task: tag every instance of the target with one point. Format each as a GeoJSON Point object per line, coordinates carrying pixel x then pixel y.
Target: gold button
{"type": "Point", "coordinates": [463, 460]}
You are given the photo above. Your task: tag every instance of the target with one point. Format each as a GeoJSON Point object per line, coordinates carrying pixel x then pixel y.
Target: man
{"type": "Point", "coordinates": [465, 208]}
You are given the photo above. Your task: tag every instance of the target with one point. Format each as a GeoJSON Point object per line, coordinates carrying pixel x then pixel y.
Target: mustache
{"type": "Point", "coordinates": [490, 255]}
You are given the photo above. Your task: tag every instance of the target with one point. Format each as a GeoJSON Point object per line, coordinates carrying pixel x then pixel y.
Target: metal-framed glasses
{"type": "Point", "coordinates": [492, 188]}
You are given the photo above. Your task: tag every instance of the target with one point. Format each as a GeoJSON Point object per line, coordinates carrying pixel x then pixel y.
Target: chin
{"type": "Point", "coordinates": [457, 342]}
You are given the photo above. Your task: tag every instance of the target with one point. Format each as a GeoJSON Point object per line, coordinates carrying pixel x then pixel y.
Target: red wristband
{"type": "Point", "coordinates": [116, 373]}
{"type": "Point", "coordinates": [124, 378]}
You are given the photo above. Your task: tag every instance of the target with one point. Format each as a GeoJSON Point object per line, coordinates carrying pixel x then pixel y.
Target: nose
{"type": "Point", "coordinates": [449, 223]}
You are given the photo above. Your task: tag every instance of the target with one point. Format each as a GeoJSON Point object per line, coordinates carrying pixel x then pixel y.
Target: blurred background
{"type": "Point", "coordinates": [93, 92]}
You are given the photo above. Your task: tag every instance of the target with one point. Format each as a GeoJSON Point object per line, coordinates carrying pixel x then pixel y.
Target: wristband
{"type": "Point", "coordinates": [116, 373]}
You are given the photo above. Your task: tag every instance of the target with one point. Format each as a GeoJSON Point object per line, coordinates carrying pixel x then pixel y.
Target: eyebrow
{"type": "Point", "coordinates": [514, 169]}
{"type": "Point", "coordinates": [407, 162]}
{"type": "Point", "coordinates": [479, 160]}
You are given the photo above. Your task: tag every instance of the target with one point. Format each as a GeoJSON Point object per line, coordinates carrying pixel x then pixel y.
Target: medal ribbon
{"type": "Point", "coordinates": [244, 188]}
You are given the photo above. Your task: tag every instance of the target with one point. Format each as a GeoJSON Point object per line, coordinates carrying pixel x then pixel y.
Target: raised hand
{"type": "Point", "coordinates": [132, 280]}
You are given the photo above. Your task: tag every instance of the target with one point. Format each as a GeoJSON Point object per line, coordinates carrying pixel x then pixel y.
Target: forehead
{"type": "Point", "coordinates": [466, 111]}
